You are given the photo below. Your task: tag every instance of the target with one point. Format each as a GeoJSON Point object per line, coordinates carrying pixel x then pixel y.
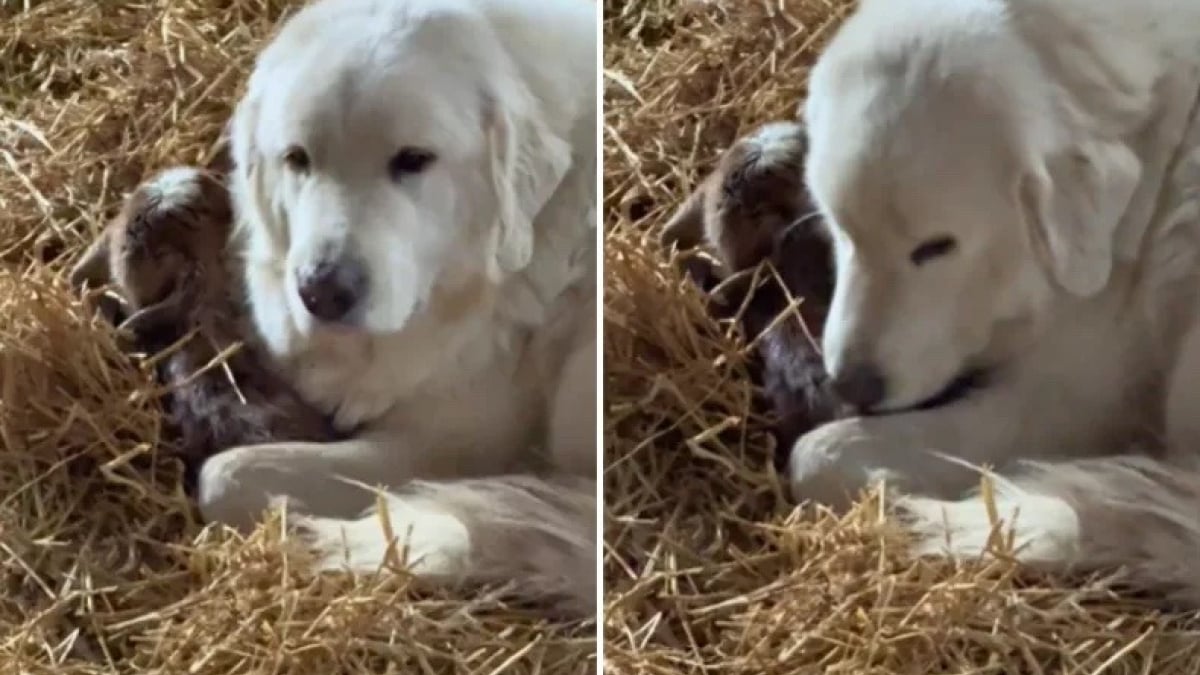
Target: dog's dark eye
{"type": "Point", "coordinates": [296, 159]}
{"type": "Point", "coordinates": [936, 247]}
{"type": "Point", "coordinates": [409, 161]}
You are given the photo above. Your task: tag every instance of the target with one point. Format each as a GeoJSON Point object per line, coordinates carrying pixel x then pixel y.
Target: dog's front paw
{"type": "Point", "coordinates": [236, 487]}
{"type": "Point", "coordinates": [412, 533]}
{"type": "Point", "coordinates": [1039, 528]}
{"type": "Point", "coordinates": [359, 408]}
{"type": "Point", "coordinates": [834, 463]}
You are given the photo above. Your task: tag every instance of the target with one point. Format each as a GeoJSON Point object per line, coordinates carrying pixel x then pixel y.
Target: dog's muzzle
{"type": "Point", "coordinates": [863, 388]}
{"type": "Point", "coordinates": [958, 389]}
{"type": "Point", "coordinates": [860, 385]}
{"type": "Point", "coordinates": [332, 289]}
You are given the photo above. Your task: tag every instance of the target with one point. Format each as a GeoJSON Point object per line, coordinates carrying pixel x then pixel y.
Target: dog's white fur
{"type": "Point", "coordinates": [468, 376]}
{"type": "Point", "coordinates": [1057, 141]}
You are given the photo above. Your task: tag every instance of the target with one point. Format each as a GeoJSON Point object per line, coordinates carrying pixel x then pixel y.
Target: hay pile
{"type": "Point", "coordinates": [707, 568]}
{"type": "Point", "coordinates": [103, 568]}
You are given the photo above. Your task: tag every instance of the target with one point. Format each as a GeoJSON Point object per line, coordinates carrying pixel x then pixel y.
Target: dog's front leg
{"type": "Point", "coordinates": [537, 533]}
{"type": "Point", "coordinates": [1183, 401]}
{"type": "Point", "coordinates": [833, 463]}
{"type": "Point", "coordinates": [238, 485]}
{"type": "Point", "coordinates": [1129, 511]}
{"type": "Point", "coordinates": [326, 487]}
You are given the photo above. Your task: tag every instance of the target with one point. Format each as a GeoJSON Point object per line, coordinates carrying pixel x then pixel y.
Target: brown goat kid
{"type": "Point", "coordinates": [753, 208]}
{"type": "Point", "coordinates": [165, 253]}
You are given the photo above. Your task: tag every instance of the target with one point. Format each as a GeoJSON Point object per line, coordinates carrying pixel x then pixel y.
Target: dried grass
{"type": "Point", "coordinates": [103, 567]}
{"type": "Point", "coordinates": [707, 568]}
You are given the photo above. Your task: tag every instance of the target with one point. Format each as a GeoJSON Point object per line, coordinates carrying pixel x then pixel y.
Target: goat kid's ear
{"type": "Point", "coordinates": [1072, 202]}
{"type": "Point", "coordinates": [685, 229]}
{"type": "Point", "coordinates": [528, 162]}
{"type": "Point", "coordinates": [221, 161]}
{"type": "Point", "coordinates": [93, 269]}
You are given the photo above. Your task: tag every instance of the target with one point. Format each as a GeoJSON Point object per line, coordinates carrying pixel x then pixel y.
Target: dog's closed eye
{"type": "Point", "coordinates": [934, 248]}
{"type": "Point", "coordinates": [409, 161]}
{"type": "Point", "coordinates": [297, 159]}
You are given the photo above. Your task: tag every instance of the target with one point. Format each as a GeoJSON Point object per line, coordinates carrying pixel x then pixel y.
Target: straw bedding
{"type": "Point", "coordinates": [707, 568]}
{"type": "Point", "coordinates": [103, 567]}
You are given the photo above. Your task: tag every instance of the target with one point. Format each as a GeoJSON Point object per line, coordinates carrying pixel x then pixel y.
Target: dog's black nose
{"type": "Point", "coordinates": [860, 385]}
{"type": "Point", "coordinates": [332, 289]}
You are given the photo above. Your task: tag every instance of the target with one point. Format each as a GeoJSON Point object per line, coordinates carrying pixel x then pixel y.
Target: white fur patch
{"type": "Point", "coordinates": [429, 541]}
{"type": "Point", "coordinates": [1044, 529]}
{"type": "Point", "coordinates": [175, 186]}
{"type": "Point", "coordinates": [778, 142]}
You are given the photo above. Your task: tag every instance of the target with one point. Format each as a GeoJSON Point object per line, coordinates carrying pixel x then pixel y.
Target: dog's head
{"type": "Point", "coordinates": [385, 156]}
{"type": "Point", "coordinates": [961, 196]}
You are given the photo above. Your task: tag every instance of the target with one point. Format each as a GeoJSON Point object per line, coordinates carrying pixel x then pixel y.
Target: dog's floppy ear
{"type": "Point", "coordinates": [250, 175]}
{"type": "Point", "coordinates": [528, 161]}
{"type": "Point", "coordinates": [93, 269]}
{"type": "Point", "coordinates": [1072, 202]}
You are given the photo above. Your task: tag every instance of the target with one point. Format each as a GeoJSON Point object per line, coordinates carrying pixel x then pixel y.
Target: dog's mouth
{"type": "Point", "coordinates": [956, 390]}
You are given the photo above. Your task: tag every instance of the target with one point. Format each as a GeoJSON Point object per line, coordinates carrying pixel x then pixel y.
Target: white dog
{"type": "Point", "coordinates": [1013, 194]}
{"type": "Point", "coordinates": [415, 186]}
